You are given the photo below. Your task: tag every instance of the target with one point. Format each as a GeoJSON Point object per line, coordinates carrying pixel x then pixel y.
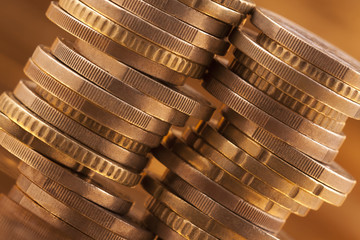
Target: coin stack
{"type": "Point", "coordinates": [84, 125]}
{"type": "Point", "coordinates": [286, 95]}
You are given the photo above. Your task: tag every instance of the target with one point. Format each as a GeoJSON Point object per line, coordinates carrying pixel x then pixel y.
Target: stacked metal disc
{"type": "Point", "coordinates": [95, 107]}
{"type": "Point", "coordinates": [286, 96]}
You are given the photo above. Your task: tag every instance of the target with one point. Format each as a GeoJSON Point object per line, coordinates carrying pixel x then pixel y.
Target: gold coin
{"type": "Point", "coordinates": [24, 93]}
{"type": "Point", "coordinates": [115, 202]}
{"type": "Point", "coordinates": [46, 86]}
{"type": "Point", "coordinates": [215, 10]}
{"type": "Point", "coordinates": [215, 210]}
{"type": "Point", "coordinates": [148, 31]}
{"type": "Point", "coordinates": [249, 47]}
{"type": "Point", "coordinates": [130, 40]}
{"type": "Point", "coordinates": [309, 69]}
{"type": "Point", "coordinates": [241, 6]}
{"type": "Point", "coordinates": [192, 17]}
{"type": "Point", "coordinates": [64, 212]}
{"type": "Point", "coordinates": [236, 180]}
{"type": "Point", "coordinates": [24, 201]}
{"type": "Point", "coordinates": [182, 226]}
{"type": "Point", "coordinates": [160, 228]}
{"type": "Point", "coordinates": [214, 143]}
{"type": "Point", "coordinates": [182, 98]}
{"type": "Point", "coordinates": [204, 219]}
{"type": "Point", "coordinates": [308, 46]}
{"type": "Point", "coordinates": [213, 189]}
{"type": "Point", "coordinates": [175, 26]}
{"type": "Point", "coordinates": [246, 94]}
{"type": "Point", "coordinates": [18, 223]}
{"type": "Point", "coordinates": [331, 175]}
{"type": "Point", "coordinates": [286, 94]}
{"type": "Point", "coordinates": [290, 139]}
{"type": "Point", "coordinates": [121, 226]}
{"type": "Point", "coordinates": [87, 35]}
{"type": "Point", "coordinates": [47, 63]}
{"type": "Point", "coordinates": [52, 137]}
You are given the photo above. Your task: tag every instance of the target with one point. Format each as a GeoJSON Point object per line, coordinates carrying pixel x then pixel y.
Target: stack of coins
{"type": "Point", "coordinates": [286, 95]}
{"type": "Point", "coordinates": [81, 130]}
{"type": "Point", "coordinates": [94, 107]}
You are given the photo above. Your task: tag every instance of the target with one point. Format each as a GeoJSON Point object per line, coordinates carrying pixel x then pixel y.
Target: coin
{"type": "Point", "coordinates": [308, 46]}
{"type": "Point", "coordinates": [181, 98]}
{"type": "Point", "coordinates": [81, 154]}
{"type": "Point", "coordinates": [18, 223]}
{"type": "Point", "coordinates": [246, 93]}
{"type": "Point", "coordinates": [215, 10]}
{"type": "Point", "coordinates": [130, 40]}
{"type": "Point", "coordinates": [245, 44]}
{"type": "Point", "coordinates": [24, 93]}
{"type": "Point", "coordinates": [40, 185]}
{"type": "Point", "coordinates": [115, 202]}
{"type": "Point", "coordinates": [206, 185]}
{"type": "Point", "coordinates": [236, 180]}
{"type": "Point", "coordinates": [45, 62]}
{"type": "Point", "coordinates": [175, 26]}
{"type": "Point", "coordinates": [215, 210]}
{"type": "Point", "coordinates": [309, 69]}
{"type": "Point", "coordinates": [90, 36]}
{"type": "Point", "coordinates": [323, 154]}
{"type": "Point", "coordinates": [185, 209]}
{"type": "Point", "coordinates": [177, 223]}
{"type": "Point", "coordinates": [24, 201]}
{"type": "Point", "coordinates": [149, 31]}
{"type": "Point", "coordinates": [192, 17]}
{"type": "Point", "coordinates": [212, 142]}
{"type": "Point", "coordinates": [242, 6]}
{"type": "Point", "coordinates": [331, 175]}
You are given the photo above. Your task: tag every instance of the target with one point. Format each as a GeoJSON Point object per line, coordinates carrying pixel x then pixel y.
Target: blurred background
{"type": "Point", "coordinates": [23, 26]}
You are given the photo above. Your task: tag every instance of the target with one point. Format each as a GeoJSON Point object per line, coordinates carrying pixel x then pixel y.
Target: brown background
{"type": "Point", "coordinates": [23, 26]}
